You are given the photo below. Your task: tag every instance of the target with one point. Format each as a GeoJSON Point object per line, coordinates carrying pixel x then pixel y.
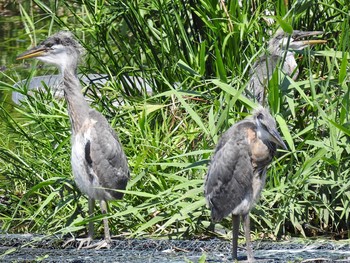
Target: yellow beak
{"type": "Point", "coordinates": [31, 53]}
{"type": "Point", "coordinates": [314, 41]}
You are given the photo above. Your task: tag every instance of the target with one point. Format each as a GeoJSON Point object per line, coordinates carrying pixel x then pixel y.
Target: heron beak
{"type": "Point", "coordinates": [312, 41]}
{"type": "Point", "coordinates": [32, 53]}
{"type": "Point", "coordinates": [298, 34]}
{"type": "Point", "coordinates": [276, 138]}
{"type": "Point", "coordinates": [298, 41]}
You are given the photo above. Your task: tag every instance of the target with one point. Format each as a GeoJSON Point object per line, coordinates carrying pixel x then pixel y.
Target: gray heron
{"type": "Point", "coordinates": [237, 171]}
{"type": "Point", "coordinates": [279, 51]}
{"type": "Point", "coordinates": [99, 165]}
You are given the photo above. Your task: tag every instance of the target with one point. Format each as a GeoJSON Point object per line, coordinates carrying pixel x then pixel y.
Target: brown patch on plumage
{"type": "Point", "coordinates": [251, 136]}
{"type": "Point", "coordinates": [260, 154]}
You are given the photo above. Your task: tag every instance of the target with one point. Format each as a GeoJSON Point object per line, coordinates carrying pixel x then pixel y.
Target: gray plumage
{"type": "Point", "coordinates": [236, 174]}
{"type": "Point", "coordinates": [278, 52]}
{"type": "Point", "coordinates": [98, 161]}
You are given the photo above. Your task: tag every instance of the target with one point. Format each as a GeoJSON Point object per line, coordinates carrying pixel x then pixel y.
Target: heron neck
{"type": "Point", "coordinates": [78, 108]}
{"type": "Point", "coordinates": [280, 52]}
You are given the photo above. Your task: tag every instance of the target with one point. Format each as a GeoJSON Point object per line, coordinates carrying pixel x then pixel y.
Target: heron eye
{"type": "Point", "coordinates": [260, 116]}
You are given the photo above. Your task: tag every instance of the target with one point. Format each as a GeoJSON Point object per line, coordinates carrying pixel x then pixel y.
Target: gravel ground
{"type": "Point", "coordinates": [32, 248]}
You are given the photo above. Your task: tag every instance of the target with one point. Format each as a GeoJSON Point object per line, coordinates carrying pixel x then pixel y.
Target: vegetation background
{"type": "Point", "coordinates": [196, 56]}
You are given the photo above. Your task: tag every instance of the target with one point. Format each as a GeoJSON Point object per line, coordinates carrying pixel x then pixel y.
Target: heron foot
{"type": "Point", "coordinates": [86, 243]}
{"type": "Point", "coordinates": [68, 242]}
{"type": "Point", "coordinates": [82, 242]}
{"type": "Point", "coordinates": [101, 244]}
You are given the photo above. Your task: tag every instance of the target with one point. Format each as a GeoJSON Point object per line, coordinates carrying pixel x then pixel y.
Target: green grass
{"type": "Point", "coordinates": [197, 61]}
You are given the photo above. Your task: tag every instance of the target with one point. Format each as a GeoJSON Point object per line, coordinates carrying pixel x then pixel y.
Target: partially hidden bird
{"type": "Point", "coordinates": [280, 51]}
{"type": "Point", "coordinates": [237, 171]}
{"type": "Point", "coordinates": [99, 164]}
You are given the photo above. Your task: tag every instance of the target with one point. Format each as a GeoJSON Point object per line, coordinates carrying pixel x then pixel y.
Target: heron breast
{"type": "Point", "coordinates": [79, 165]}
{"type": "Point", "coordinates": [260, 153]}
{"type": "Point", "coordinates": [290, 66]}
{"type": "Point", "coordinates": [84, 175]}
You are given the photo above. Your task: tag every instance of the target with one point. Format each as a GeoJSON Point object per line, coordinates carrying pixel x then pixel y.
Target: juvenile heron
{"type": "Point", "coordinates": [278, 52]}
{"type": "Point", "coordinates": [98, 161]}
{"type": "Point", "coordinates": [237, 171]}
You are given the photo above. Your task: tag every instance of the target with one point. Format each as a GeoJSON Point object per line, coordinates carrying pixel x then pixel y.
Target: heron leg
{"type": "Point", "coordinates": [91, 212]}
{"type": "Point", "coordinates": [103, 205]}
{"type": "Point", "coordinates": [106, 242]}
{"type": "Point", "coordinates": [235, 230]}
{"type": "Point", "coordinates": [246, 221]}
{"type": "Point", "coordinates": [90, 237]}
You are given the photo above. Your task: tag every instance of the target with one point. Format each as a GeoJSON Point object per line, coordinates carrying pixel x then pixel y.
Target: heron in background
{"type": "Point", "coordinates": [237, 171]}
{"type": "Point", "coordinates": [278, 52]}
{"type": "Point", "coordinates": [55, 82]}
{"type": "Point", "coordinates": [98, 161]}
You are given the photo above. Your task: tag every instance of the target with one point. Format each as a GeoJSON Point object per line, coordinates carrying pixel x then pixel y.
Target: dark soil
{"type": "Point", "coordinates": [31, 248]}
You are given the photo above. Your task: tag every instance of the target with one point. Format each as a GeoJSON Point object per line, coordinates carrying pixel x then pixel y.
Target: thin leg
{"type": "Point", "coordinates": [91, 212]}
{"type": "Point", "coordinates": [90, 237]}
{"type": "Point", "coordinates": [246, 220]}
{"type": "Point", "coordinates": [108, 240]}
{"type": "Point", "coordinates": [235, 230]}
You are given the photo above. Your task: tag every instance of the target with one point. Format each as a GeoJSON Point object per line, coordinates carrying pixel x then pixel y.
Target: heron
{"type": "Point", "coordinates": [99, 164]}
{"type": "Point", "coordinates": [278, 52]}
{"type": "Point", "coordinates": [237, 171]}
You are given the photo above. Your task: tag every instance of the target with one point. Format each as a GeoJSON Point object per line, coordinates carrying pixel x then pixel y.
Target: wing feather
{"type": "Point", "coordinates": [108, 160]}
{"type": "Point", "coordinates": [230, 175]}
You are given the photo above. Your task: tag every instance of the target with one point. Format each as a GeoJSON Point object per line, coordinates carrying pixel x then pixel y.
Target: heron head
{"type": "Point", "coordinates": [266, 127]}
{"type": "Point", "coordinates": [60, 49]}
{"type": "Point", "coordinates": [283, 41]}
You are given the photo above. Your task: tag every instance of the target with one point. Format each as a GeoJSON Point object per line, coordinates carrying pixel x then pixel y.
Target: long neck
{"type": "Point", "coordinates": [287, 57]}
{"type": "Point", "coordinates": [278, 51]}
{"type": "Point", "coordinates": [290, 66]}
{"type": "Point", "coordinates": [78, 108]}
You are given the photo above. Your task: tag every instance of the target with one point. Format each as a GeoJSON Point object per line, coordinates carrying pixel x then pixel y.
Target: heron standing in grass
{"type": "Point", "coordinates": [237, 171]}
{"type": "Point", "coordinates": [98, 161]}
{"type": "Point", "coordinates": [278, 52]}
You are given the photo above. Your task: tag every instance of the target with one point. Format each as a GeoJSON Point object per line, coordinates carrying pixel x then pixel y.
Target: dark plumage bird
{"type": "Point", "coordinates": [98, 161]}
{"type": "Point", "coordinates": [236, 174]}
{"type": "Point", "coordinates": [278, 52]}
